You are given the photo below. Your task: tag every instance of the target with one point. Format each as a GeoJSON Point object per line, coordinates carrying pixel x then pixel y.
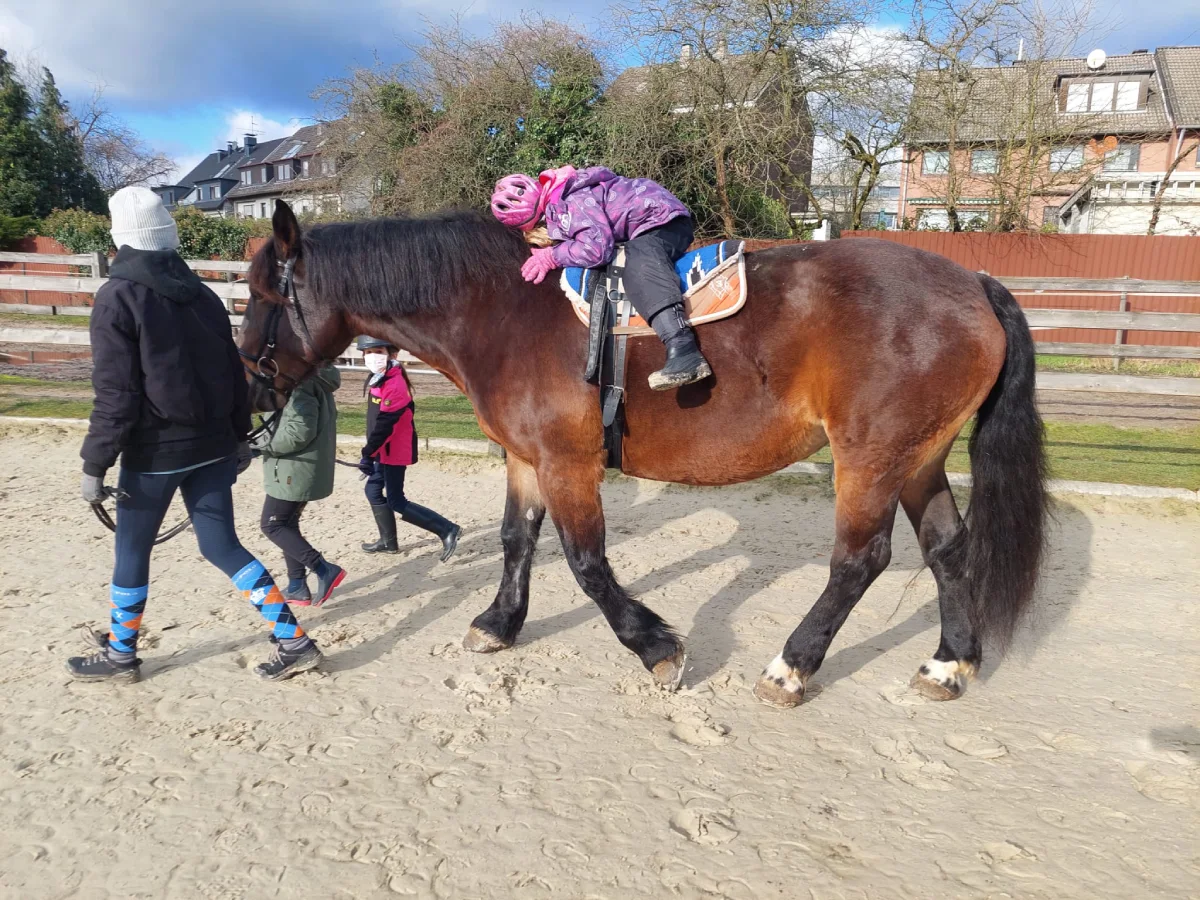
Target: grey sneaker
{"type": "Point", "coordinates": [284, 664]}
{"type": "Point", "coordinates": [98, 667]}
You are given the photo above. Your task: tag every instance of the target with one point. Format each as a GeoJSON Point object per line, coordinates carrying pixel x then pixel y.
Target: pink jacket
{"type": "Point", "coordinates": [391, 437]}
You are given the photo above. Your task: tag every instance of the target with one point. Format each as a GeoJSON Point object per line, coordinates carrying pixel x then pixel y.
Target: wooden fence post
{"type": "Point", "coordinates": [99, 265]}
{"type": "Point", "coordinates": [1121, 332]}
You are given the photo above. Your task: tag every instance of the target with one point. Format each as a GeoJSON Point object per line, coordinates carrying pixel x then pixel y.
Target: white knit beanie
{"type": "Point", "coordinates": [140, 221]}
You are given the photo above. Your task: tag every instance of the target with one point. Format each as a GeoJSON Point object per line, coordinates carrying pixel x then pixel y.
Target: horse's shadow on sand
{"type": "Point", "coordinates": [712, 640]}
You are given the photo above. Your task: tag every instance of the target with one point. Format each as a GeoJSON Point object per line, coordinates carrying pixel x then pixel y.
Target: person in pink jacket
{"type": "Point", "coordinates": [390, 449]}
{"type": "Point", "coordinates": [587, 213]}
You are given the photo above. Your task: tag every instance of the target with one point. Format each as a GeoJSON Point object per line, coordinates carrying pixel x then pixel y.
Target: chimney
{"type": "Point", "coordinates": [251, 142]}
{"type": "Point", "coordinates": [231, 147]}
{"type": "Point", "coordinates": [685, 53]}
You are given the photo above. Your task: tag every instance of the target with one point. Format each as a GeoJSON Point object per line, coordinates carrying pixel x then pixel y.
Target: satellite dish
{"type": "Point", "coordinates": [1095, 59]}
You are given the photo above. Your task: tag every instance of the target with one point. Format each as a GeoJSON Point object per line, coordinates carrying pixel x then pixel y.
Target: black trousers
{"type": "Point", "coordinates": [385, 487]}
{"type": "Point", "coordinates": [651, 282]}
{"type": "Point", "coordinates": [281, 523]}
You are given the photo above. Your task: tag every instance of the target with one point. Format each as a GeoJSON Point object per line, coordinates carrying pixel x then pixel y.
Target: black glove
{"type": "Point", "coordinates": [244, 456]}
{"type": "Point", "coordinates": [366, 465]}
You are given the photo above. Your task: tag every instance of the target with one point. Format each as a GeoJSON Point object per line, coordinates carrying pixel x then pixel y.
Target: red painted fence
{"type": "Point", "coordinates": [1155, 258]}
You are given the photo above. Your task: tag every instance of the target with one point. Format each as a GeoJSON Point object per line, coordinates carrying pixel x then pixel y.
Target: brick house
{"type": "Point", "coordinates": [1080, 145]}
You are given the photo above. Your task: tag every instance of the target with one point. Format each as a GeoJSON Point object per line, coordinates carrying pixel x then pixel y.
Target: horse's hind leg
{"type": "Point", "coordinates": [497, 627]}
{"type": "Point", "coordinates": [931, 508]}
{"type": "Point", "coordinates": [866, 509]}
{"type": "Point", "coordinates": [572, 492]}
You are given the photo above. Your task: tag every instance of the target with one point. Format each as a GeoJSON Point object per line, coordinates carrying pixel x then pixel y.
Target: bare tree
{"type": "Point", "coordinates": [113, 151]}
{"type": "Point", "coordinates": [743, 71]}
{"type": "Point", "coordinates": [1185, 150]}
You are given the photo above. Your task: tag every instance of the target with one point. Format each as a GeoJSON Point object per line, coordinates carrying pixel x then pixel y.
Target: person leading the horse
{"type": "Point", "coordinates": [587, 213]}
{"type": "Point", "coordinates": [171, 402]}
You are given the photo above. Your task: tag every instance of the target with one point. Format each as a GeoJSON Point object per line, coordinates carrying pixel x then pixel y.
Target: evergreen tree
{"type": "Point", "coordinates": [66, 181]}
{"type": "Point", "coordinates": [20, 147]}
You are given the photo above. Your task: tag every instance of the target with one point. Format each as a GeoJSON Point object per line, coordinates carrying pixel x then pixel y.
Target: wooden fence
{"type": "Point", "coordinates": [1066, 259]}
{"type": "Point", "coordinates": [1120, 322]}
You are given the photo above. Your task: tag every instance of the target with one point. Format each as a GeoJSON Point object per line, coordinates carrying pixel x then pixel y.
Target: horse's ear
{"type": "Point", "coordinates": [286, 230]}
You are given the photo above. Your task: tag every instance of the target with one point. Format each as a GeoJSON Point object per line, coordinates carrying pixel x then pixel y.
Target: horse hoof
{"type": "Point", "coordinates": [668, 674]}
{"type": "Point", "coordinates": [939, 680]}
{"type": "Point", "coordinates": [779, 685]}
{"type": "Point", "coordinates": [478, 641]}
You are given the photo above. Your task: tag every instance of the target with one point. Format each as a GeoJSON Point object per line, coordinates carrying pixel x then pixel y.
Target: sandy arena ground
{"type": "Point", "coordinates": [555, 770]}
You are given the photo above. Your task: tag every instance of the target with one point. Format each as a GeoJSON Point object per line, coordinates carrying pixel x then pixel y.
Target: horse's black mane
{"type": "Point", "coordinates": [408, 265]}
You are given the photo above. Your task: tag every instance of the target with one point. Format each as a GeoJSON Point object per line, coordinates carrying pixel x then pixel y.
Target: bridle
{"type": "Point", "coordinates": [265, 369]}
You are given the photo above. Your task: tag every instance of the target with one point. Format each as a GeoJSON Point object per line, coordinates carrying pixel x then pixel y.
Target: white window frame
{"type": "Point", "coordinates": [995, 162]}
{"type": "Point", "coordinates": [927, 155]}
{"type": "Point", "coordinates": [1077, 97]}
{"type": "Point", "coordinates": [1106, 90]}
{"type": "Point", "coordinates": [1066, 159]}
{"type": "Point", "coordinates": [1122, 101]}
{"type": "Point", "coordinates": [1132, 150]}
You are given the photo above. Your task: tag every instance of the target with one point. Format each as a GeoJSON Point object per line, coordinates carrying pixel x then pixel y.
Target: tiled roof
{"type": "Point", "coordinates": [304, 142]}
{"type": "Point", "coordinates": [993, 93]}
{"type": "Point", "coordinates": [260, 154]}
{"type": "Point", "coordinates": [1180, 68]}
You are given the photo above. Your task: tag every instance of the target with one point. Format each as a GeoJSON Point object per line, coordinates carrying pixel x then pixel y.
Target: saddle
{"type": "Point", "coordinates": [713, 282]}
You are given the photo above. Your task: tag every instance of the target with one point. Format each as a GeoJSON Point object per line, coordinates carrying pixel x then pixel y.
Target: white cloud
{"type": "Point", "coordinates": [240, 122]}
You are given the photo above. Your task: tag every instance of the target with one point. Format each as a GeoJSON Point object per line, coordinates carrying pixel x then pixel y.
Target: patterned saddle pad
{"type": "Point", "coordinates": [712, 278]}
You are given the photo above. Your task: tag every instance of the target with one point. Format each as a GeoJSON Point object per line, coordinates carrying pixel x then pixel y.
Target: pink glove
{"type": "Point", "coordinates": [540, 263]}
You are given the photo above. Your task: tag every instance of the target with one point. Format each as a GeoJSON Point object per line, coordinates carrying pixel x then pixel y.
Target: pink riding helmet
{"type": "Point", "coordinates": [515, 201]}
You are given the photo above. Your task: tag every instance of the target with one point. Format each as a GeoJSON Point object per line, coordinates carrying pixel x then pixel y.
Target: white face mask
{"type": "Point", "coordinates": [376, 362]}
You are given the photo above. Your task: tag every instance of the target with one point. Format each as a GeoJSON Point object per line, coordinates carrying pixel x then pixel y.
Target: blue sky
{"type": "Point", "coordinates": [191, 75]}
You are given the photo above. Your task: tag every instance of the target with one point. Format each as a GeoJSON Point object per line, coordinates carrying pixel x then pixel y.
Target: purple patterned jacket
{"type": "Point", "coordinates": [599, 209]}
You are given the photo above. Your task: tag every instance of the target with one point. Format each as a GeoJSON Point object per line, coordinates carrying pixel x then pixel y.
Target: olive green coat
{"type": "Point", "coordinates": [298, 459]}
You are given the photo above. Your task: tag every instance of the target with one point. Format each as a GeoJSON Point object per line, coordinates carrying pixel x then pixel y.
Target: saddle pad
{"type": "Point", "coordinates": [712, 278]}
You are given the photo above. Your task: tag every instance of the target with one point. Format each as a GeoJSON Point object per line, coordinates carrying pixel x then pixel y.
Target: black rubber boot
{"type": "Point", "coordinates": [385, 519]}
{"type": "Point", "coordinates": [422, 517]}
{"type": "Point", "coordinates": [685, 363]}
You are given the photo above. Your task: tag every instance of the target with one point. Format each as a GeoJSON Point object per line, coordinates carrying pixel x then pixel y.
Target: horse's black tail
{"type": "Point", "coordinates": [1006, 519]}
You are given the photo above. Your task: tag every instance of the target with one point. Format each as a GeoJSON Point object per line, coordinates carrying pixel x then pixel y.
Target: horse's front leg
{"type": "Point", "coordinates": [498, 626]}
{"type": "Point", "coordinates": [572, 493]}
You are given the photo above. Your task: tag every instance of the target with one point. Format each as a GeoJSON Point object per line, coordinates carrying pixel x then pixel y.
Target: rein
{"type": "Point", "coordinates": [107, 521]}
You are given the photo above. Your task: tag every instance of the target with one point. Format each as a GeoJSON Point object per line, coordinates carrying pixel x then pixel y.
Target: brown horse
{"type": "Point", "coordinates": [882, 351]}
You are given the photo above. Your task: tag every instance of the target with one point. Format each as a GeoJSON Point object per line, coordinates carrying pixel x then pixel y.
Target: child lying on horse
{"type": "Point", "coordinates": [587, 213]}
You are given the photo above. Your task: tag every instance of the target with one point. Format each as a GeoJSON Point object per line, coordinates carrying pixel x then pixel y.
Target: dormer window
{"type": "Point", "coordinates": [1106, 96]}
{"type": "Point", "coordinates": [247, 176]}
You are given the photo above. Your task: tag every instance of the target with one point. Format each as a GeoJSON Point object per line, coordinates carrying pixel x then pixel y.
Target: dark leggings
{"type": "Point", "coordinates": [385, 487]}
{"type": "Point", "coordinates": [281, 523]}
{"type": "Point", "coordinates": [651, 282]}
{"type": "Point", "coordinates": [208, 495]}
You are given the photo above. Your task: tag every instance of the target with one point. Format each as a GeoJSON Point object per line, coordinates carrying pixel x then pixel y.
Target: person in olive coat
{"type": "Point", "coordinates": [298, 460]}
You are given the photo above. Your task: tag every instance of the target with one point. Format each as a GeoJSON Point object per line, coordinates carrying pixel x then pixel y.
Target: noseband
{"type": "Point", "coordinates": [266, 369]}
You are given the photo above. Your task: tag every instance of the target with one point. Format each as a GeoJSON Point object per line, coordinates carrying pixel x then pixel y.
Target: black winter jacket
{"type": "Point", "coordinates": [170, 387]}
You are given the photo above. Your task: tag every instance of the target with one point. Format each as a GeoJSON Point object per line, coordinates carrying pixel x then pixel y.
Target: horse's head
{"type": "Point", "coordinates": [287, 333]}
